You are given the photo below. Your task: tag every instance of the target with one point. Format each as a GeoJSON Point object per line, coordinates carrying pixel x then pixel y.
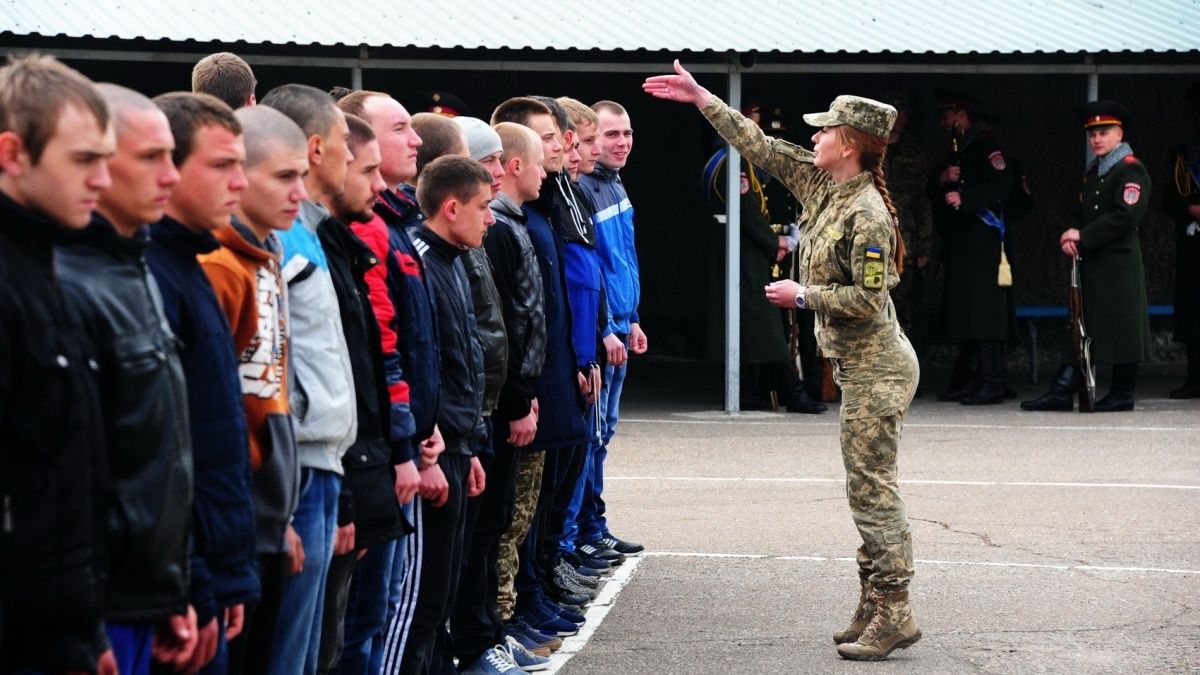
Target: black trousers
{"type": "Point", "coordinates": [570, 466]}
{"type": "Point", "coordinates": [416, 640]}
{"type": "Point", "coordinates": [474, 625]}
{"type": "Point", "coordinates": [250, 652]}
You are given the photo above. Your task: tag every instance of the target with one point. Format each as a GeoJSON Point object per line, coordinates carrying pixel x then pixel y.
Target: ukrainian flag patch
{"type": "Point", "coordinates": [873, 269]}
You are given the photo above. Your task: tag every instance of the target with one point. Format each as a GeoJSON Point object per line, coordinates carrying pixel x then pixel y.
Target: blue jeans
{"type": "Point", "coordinates": [395, 582]}
{"type": "Point", "coordinates": [366, 609]}
{"type": "Point", "coordinates": [298, 634]}
{"type": "Point", "coordinates": [131, 644]}
{"type": "Point", "coordinates": [592, 525]}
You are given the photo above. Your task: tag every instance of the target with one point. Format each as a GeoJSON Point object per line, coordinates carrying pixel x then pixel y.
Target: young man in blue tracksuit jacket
{"type": "Point", "coordinates": [618, 257]}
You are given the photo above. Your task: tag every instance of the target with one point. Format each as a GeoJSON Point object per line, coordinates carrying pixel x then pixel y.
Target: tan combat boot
{"type": "Point", "coordinates": [862, 616]}
{"type": "Point", "coordinates": [892, 627]}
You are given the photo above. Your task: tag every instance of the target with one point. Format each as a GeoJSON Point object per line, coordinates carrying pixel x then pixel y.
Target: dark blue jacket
{"type": "Point", "coordinates": [223, 563]}
{"type": "Point", "coordinates": [581, 264]}
{"type": "Point", "coordinates": [561, 406]}
{"type": "Point", "coordinates": [414, 327]}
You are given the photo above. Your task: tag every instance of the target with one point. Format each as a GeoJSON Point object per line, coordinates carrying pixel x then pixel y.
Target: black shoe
{"type": "Point", "coordinates": [987, 395]}
{"type": "Point", "coordinates": [621, 546]}
{"type": "Point", "coordinates": [1061, 397]}
{"type": "Point", "coordinates": [567, 598]}
{"type": "Point", "coordinates": [1009, 392]}
{"type": "Point", "coordinates": [1114, 401]}
{"type": "Point", "coordinates": [800, 402]}
{"type": "Point", "coordinates": [601, 551]}
{"type": "Point", "coordinates": [1190, 389]}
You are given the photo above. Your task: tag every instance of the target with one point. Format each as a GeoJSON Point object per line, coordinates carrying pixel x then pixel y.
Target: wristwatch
{"type": "Point", "coordinates": [800, 297]}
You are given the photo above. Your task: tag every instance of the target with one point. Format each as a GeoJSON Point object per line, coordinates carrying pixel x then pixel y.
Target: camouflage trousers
{"type": "Point", "coordinates": [528, 487]}
{"type": "Point", "coordinates": [877, 390]}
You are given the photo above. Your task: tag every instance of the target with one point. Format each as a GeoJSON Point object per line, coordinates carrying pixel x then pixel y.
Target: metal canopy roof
{"type": "Point", "coordinates": [785, 26]}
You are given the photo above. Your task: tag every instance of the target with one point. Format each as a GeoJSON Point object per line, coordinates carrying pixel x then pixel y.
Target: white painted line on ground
{"type": "Point", "coordinates": [914, 481]}
{"type": "Point", "coordinates": [780, 419]}
{"type": "Point", "coordinates": [959, 563]}
{"type": "Point", "coordinates": [595, 615]}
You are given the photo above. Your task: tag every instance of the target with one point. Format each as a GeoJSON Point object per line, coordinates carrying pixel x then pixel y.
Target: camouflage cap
{"type": "Point", "coordinates": [861, 113]}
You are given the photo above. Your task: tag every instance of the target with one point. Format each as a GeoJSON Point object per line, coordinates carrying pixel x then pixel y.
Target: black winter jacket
{"type": "Point", "coordinates": [145, 420]}
{"type": "Point", "coordinates": [519, 281]}
{"type": "Point", "coordinates": [51, 461]}
{"type": "Point", "coordinates": [461, 418]}
{"type": "Point", "coordinates": [489, 320]}
{"type": "Point", "coordinates": [368, 497]}
{"type": "Point", "coordinates": [224, 562]}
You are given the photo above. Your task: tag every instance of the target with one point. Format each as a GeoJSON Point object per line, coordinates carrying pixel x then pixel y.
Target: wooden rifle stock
{"type": "Point", "coordinates": [1081, 342]}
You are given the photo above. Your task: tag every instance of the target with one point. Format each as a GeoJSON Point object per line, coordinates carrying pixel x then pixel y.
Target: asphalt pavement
{"type": "Point", "coordinates": [1044, 542]}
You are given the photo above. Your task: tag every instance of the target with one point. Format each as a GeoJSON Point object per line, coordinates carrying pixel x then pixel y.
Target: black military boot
{"type": "Point", "coordinates": [800, 402]}
{"type": "Point", "coordinates": [1120, 397]}
{"type": "Point", "coordinates": [991, 372]}
{"type": "Point", "coordinates": [1061, 396]}
{"type": "Point", "coordinates": [1191, 387]}
{"type": "Point", "coordinates": [964, 379]}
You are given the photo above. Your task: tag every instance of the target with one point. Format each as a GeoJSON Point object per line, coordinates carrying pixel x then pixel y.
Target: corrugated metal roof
{"type": "Point", "coordinates": [788, 26]}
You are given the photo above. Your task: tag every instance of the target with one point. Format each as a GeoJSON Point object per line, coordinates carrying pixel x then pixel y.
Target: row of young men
{"type": "Point", "coordinates": [260, 358]}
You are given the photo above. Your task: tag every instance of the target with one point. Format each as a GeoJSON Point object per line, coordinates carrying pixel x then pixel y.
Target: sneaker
{"type": "Point", "coordinates": [582, 563]}
{"type": "Point", "coordinates": [494, 661]}
{"type": "Point", "coordinates": [550, 624]}
{"type": "Point", "coordinates": [590, 572]}
{"type": "Point", "coordinates": [570, 573]}
{"type": "Point", "coordinates": [525, 659]}
{"type": "Point", "coordinates": [601, 551]}
{"type": "Point", "coordinates": [569, 585]}
{"type": "Point", "coordinates": [551, 642]}
{"type": "Point", "coordinates": [568, 598]}
{"type": "Point", "coordinates": [622, 547]}
{"type": "Point", "coordinates": [568, 613]}
{"type": "Point", "coordinates": [527, 641]}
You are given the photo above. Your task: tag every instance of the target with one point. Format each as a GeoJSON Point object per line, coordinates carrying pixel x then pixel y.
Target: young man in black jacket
{"type": "Point", "coordinates": [368, 502]}
{"type": "Point", "coordinates": [454, 192]}
{"type": "Point", "coordinates": [55, 141]}
{"type": "Point", "coordinates": [141, 386]}
{"type": "Point", "coordinates": [209, 153]}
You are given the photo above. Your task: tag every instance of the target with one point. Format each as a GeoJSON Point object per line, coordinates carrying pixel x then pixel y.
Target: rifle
{"type": "Point", "coordinates": [1081, 342]}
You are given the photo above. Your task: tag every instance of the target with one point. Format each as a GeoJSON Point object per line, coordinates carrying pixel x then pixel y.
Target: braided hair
{"type": "Point", "coordinates": [872, 151]}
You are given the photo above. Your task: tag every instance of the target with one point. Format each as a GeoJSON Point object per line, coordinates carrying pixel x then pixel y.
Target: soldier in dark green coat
{"type": "Point", "coordinates": [1181, 201]}
{"type": "Point", "coordinates": [764, 353]}
{"type": "Point", "coordinates": [967, 193]}
{"type": "Point", "coordinates": [1116, 193]}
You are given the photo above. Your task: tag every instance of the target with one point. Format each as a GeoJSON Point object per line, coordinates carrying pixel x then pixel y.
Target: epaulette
{"type": "Point", "coordinates": [1130, 159]}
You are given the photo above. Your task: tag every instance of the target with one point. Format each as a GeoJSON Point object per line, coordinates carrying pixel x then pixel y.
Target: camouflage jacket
{"type": "Point", "coordinates": [846, 245]}
{"type": "Point", "coordinates": [907, 172]}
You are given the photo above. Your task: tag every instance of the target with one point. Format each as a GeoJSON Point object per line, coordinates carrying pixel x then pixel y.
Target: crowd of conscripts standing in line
{"type": "Point", "coordinates": [313, 385]}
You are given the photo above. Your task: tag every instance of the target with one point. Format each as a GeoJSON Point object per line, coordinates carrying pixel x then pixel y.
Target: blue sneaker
{"type": "Point", "coordinates": [551, 642]}
{"type": "Point", "coordinates": [551, 624]}
{"type": "Point", "coordinates": [568, 614]}
{"type": "Point", "coordinates": [494, 661]}
{"type": "Point", "coordinates": [525, 659]}
{"type": "Point", "coordinates": [512, 630]}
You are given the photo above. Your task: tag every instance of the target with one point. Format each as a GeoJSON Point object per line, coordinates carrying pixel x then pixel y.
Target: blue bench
{"type": "Point", "coordinates": [1031, 313]}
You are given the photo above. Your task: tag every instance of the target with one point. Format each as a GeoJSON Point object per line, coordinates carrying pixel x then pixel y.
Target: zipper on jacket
{"type": "Point", "coordinates": [8, 517]}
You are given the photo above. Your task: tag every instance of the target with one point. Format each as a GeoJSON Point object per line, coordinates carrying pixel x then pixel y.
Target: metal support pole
{"type": "Point", "coordinates": [356, 71]}
{"type": "Point", "coordinates": [733, 227]}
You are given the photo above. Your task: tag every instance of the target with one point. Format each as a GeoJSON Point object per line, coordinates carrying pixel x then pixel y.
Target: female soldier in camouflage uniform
{"type": "Point", "coordinates": [851, 253]}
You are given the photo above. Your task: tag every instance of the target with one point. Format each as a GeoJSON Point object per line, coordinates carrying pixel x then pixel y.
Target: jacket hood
{"type": "Point", "coordinates": [238, 238]}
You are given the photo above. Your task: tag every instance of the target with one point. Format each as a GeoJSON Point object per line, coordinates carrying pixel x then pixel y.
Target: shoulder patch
{"type": "Point", "coordinates": [1132, 193]}
{"type": "Point", "coordinates": [873, 268]}
{"type": "Point", "coordinates": [744, 184]}
{"type": "Point", "coordinates": [1130, 159]}
{"type": "Point", "coordinates": [997, 160]}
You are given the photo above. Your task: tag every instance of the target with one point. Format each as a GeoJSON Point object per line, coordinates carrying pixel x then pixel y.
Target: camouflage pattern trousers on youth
{"type": "Point", "coordinates": [530, 466]}
{"type": "Point", "coordinates": [876, 392]}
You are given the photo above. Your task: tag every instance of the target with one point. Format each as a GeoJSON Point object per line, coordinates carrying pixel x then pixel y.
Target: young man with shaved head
{"type": "Point", "coordinates": [145, 399]}
{"type": "Point", "coordinates": [323, 400]}
{"type": "Point", "coordinates": [403, 307]}
{"type": "Point", "coordinates": [209, 153]}
{"type": "Point", "coordinates": [55, 142]}
{"type": "Point", "coordinates": [245, 274]}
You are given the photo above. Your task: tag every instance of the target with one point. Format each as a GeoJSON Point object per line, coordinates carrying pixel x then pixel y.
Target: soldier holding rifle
{"type": "Point", "coordinates": [1116, 192]}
